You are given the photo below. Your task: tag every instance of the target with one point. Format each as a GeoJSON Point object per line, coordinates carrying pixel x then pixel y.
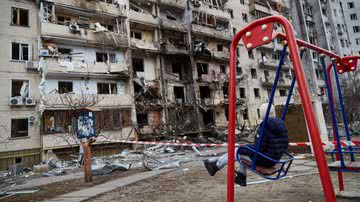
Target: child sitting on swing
{"type": "Point", "coordinates": [274, 143]}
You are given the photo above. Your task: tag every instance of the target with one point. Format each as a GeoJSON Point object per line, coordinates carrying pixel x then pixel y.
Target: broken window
{"type": "Point", "coordinates": [239, 70]}
{"type": "Point", "coordinates": [125, 118]}
{"type": "Point", "coordinates": [20, 51]}
{"type": "Point", "coordinates": [19, 88]}
{"type": "Point", "coordinates": [226, 108]}
{"type": "Point", "coordinates": [204, 92]}
{"type": "Point", "coordinates": [222, 25]}
{"type": "Point", "coordinates": [142, 119]}
{"type": "Point", "coordinates": [101, 57]}
{"type": "Point", "coordinates": [223, 69]}
{"type": "Point", "coordinates": [244, 17]}
{"type": "Point", "coordinates": [242, 2]}
{"type": "Point", "coordinates": [282, 92]}
{"type": "Point", "coordinates": [19, 128]}
{"type": "Point", "coordinates": [57, 121]}
{"type": "Point", "coordinates": [253, 74]}
{"type": "Point", "coordinates": [65, 87]}
{"type": "Point", "coordinates": [20, 17]}
{"type": "Point", "coordinates": [266, 75]}
{"type": "Point", "coordinates": [242, 93]}
{"type": "Point", "coordinates": [220, 47]}
{"type": "Point", "coordinates": [106, 88]}
{"type": "Point", "coordinates": [63, 20]}
{"type": "Point", "coordinates": [83, 22]}
{"type": "Point", "coordinates": [136, 35]}
{"type": "Point", "coordinates": [179, 94]}
{"type": "Point", "coordinates": [245, 114]}
{"type": "Point", "coordinates": [176, 68]}
{"type": "Point", "coordinates": [251, 54]}
{"type": "Point", "coordinates": [226, 90]}
{"type": "Point", "coordinates": [112, 58]}
{"type": "Point", "coordinates": [202, 68]}
{"type": "Point", "coordinates": [65, 53]}
{"type": "Point", "coordinates": [138, 64]}
{"type": "Point", "coordinates": [257, 93]}
{"type": "Point", "coordinates": [208, 117]}
{"type": "Point", "coordinates": [268, 92]}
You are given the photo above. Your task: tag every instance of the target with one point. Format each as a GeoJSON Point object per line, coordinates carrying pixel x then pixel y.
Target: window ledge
{"type": "Point", "coordinates": [15, 25]}
{"type": "Point", "coordinates": [19, 61]}
{"type": "Point", "coordinates": [19, 138]}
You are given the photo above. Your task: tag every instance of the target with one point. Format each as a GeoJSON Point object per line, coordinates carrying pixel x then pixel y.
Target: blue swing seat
{"type": "Point", "coordinates": [349, 166]}
{"type": "Point", "coordinates": [276, 172]}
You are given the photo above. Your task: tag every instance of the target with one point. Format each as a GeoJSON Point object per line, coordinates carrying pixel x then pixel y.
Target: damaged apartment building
{"type": "Point", "coordinates": [147, 69]}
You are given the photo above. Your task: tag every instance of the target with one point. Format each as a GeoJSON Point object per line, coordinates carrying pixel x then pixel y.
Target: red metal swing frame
{"type": "Point", "coordinates": [263, 29]}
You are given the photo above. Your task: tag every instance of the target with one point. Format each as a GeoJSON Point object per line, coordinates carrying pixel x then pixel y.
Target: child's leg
{"type": "Point", "coordinates": [223, 160]}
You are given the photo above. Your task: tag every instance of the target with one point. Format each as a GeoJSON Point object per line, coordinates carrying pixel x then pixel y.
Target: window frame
{"type": "Point", "coordinates": [20, 52]}
{"type": "Point", "coordinates": [109, 85]}
{"type": "Point", "coordinates": [11, 127]}
{"type": "Point", "coordinates": [12, 16]}
{"type": "Point", "coordinates": [11, 86]}
{"type": "Point", "coordinates": [72, 86]}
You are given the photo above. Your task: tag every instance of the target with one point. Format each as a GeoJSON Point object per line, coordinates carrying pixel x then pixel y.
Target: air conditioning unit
{"type": "Point", "coordinates": [30, 101]}
{"type": "Point", "coordinates": [44, 53]}
{"type": "Point", "coordinates": [16, 101]}
{"type": "Point", "coordinates": [33, 65]}
{"type": "Point", "coordinates": [31, 119]}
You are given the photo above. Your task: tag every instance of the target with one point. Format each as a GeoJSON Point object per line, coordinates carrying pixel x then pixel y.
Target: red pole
{"type": "Point", "coordinates": [340, 175]}
{"type": "Point", "coordinates": [306, 104]}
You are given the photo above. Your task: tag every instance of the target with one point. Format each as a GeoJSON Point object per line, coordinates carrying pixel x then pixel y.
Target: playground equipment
{"type": "Point", "coordinates": [281, 167]}
{"type": "Point", "coordinates": [341, 66]}
{"type": "Point", "coordinates": [258, 33]}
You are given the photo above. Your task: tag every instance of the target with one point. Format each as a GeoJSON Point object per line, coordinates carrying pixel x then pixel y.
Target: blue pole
{"type": "Point", "coordinates": [348, 138]}
{"type": "Point", "coordinates": [283, 114]}
{"type": "Point", "coordinates": [258, 144]}
{"type": "Point", "coordinates": [333, 115]}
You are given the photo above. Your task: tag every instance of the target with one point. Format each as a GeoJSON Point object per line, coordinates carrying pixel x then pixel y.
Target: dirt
{"type": "Point", "coordinates": [197, 185]}
{"type": "Point", "coordinates": [54, 189]}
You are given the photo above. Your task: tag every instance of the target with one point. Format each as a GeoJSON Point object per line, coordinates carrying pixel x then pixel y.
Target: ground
{"type": "Point", "coordinates": [191, 182]}
{"type": "Point", "coordinates": [196, 185]}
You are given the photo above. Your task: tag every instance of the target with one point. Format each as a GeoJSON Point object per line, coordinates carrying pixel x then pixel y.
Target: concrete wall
{"type": "Point", "coordinates": [16, 70]}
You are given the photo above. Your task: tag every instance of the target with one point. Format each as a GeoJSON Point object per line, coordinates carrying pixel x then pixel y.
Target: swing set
{"type": "Point", "coordinates": [258, 33]}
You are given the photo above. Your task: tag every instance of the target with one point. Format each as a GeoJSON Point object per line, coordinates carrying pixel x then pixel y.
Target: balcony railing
{"type": "Point", "coordinates": [60, 101]}
{"type": "Point", "coordinates": [63, 33]}
{"type": "Point", "coordinates": [212, 32]}
{"type": "Point", "coordinates": [272, 64]}
{"type": "Point", "coordinates": [94, 6]}
{"type": "Point", "coordinates": [137, 43]}
{"type": "Point", "coordinates": [176, 3]}
{"type": "Point", "coordinates": [61, 65]}
{"type": "Point", "coordinates": [143, 18]}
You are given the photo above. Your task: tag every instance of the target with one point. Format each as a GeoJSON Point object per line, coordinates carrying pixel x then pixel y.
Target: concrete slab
{"type": "Point", "coordinates": [349, 194]}
{"type": "Point", "coordinates": [88, 193]}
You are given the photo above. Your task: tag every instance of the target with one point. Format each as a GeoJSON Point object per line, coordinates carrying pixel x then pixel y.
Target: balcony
{"type": "Point", "coordinates": [141, 44]}
{"type": "Point", "coordinates": [222, 55]}
{"type": "Point", "coordinates": [175, 3]}
{"type": "Point", "coordinates": [60, 101]}
{"type": "Point", "coordinates": [61, 33]}
{"type": "Point", "coordinates": [272, 64]}
{"type": "Point", "coordinates": [262, 6]}
{"type": "Point", "coordinates": [269, 82]}
{"type": "Point", "coordinates": [59, 66]}
{"type": "Point", "coordinates": [143, 18]}
{"type": "Point", "coordinates": [92, 6]}
{"type": "Point", "coordinates": [173, 24]}
{"type": "Point", "coordinates": [176, 49]}
{"type": "Point", "coordinates": [217, 12]}
{"type": "Point", "coordinates": [212, 32]}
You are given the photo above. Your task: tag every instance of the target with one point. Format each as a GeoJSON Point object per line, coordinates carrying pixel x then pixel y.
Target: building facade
{"type": "Point", "coordinates": [147, 69]}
